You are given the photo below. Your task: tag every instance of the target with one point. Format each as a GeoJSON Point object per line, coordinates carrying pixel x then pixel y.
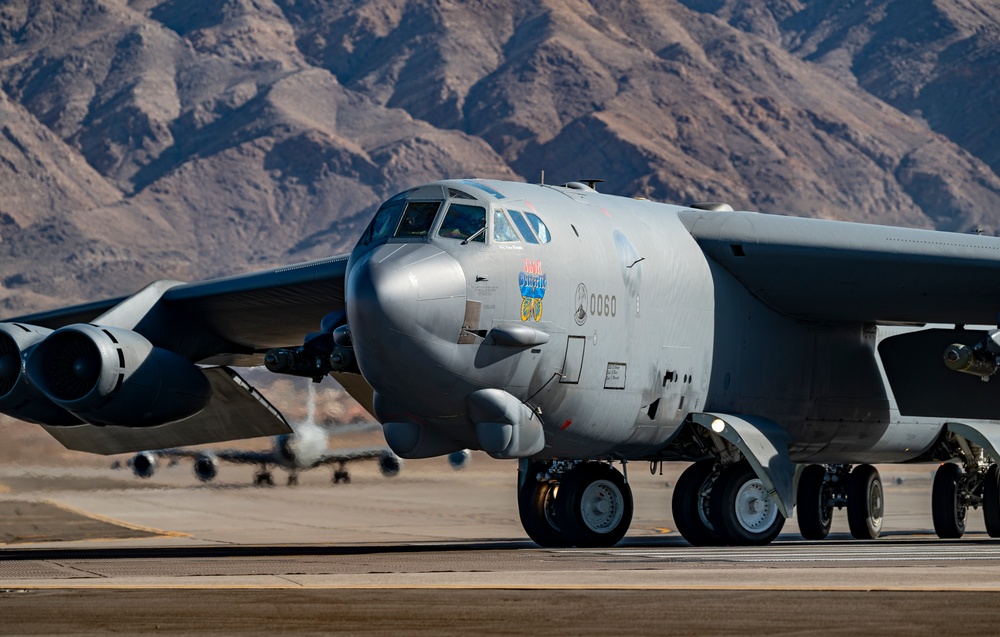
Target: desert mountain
{"type": "Point", "coordinates": [190, 138]}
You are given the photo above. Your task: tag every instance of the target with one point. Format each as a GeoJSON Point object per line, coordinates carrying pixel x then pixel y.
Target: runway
{"type": "Point", "coordinates": [437, 551]}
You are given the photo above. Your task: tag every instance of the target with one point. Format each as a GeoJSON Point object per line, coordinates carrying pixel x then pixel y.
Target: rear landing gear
{"type": "Point", "coordinates": [263, 479]}
{"type": "Point", "coordinates": [949, 504]}
{"type": "Point", "coordinates": [865, 502]}
{"type": "Point", "coordinates": [587, 505]}
{"type": "Point", "coordinates": [814, 503]}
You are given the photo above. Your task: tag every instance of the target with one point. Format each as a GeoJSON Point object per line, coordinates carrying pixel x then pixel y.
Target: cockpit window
{"type": "Point", "coordinates": [418, 218]}
{"type": "Point", "coordinates": [502, 230]}
{"type": "Point", "coordinates": [463, 221]}
{"type": "Point", "coordinates": [541, 230]}
{"type": "Point", "coordinates": [454, 193]}
{"type": "Point", "coordinates": [385, 219]}
{"type": "Point", "coordinates": [522, 225]}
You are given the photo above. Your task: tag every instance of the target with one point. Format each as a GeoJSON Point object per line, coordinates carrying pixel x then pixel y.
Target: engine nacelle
{"type": "Point", "coordinates": [143, 464]}
{"type": "Point", "coordinates": [112, 376]}
{"type": "Point", "coordinates": [206, 467]}
{"type": "Point", "coordinates": [18, 396]}
{"type": "Point", "coordinates": [459, 459]}
{"type": "Point", "coordinates": [389, 464]}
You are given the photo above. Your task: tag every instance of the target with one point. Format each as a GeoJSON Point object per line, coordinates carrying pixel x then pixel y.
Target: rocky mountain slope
{"type": "Point", "coordinates": [191, 138]}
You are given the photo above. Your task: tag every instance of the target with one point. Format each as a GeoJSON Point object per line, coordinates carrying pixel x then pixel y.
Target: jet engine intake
{"type": "Point", "coordinates": [389, 464]}
{"type": "Point", "coordinates": [143, 464]}
{"type": "Point", "coordinates": [206, 467]}
{"type": "Point", "coordinates": [19, 397]}
{"type": "Point", "coordinates": [112, 376]}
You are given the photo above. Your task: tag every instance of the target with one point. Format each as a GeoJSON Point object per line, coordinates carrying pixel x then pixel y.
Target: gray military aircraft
{"type": "Point", "coordinates": [295, 452]}
{"type": "Point", "coordinates": [572, 330]}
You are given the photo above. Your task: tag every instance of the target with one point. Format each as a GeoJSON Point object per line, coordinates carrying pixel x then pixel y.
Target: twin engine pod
{"type": "Point", "coordinates": [98, 375]}
{"type": "Point", "coordinates": [19, 397]}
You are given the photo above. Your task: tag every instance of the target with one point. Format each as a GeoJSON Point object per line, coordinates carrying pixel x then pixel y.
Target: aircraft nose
{"type": "Point", "coordinates": [404, 301]}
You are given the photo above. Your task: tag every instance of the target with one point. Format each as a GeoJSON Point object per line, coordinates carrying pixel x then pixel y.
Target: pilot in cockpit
{"type": "Point", "coordinates": [464, 221]}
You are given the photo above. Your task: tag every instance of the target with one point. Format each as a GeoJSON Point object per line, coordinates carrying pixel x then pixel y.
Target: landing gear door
{"type": "Point", "coordinates": [573, 363]}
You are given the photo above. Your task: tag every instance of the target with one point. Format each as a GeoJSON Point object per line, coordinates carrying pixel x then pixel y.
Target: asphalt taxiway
{"type": "Point", "coordinates": [436, 551]}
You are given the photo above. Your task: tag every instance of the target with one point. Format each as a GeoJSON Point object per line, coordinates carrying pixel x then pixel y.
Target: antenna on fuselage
{"type": "Point", "coordinates": [542, 182]}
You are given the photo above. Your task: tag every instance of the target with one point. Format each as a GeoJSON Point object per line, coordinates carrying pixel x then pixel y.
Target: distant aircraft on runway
{"type": "Point", "coordinates": [571, 330]}
{"type": "Point", "coordinates": [306, 448]}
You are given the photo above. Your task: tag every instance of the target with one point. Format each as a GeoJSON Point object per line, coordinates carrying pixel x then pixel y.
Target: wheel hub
{"type": "Point", "coordinates": [602, 506]}
{"type": "Point", "coordinates": [754, 510]}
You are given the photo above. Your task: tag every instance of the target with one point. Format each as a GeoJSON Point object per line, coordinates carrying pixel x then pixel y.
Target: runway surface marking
{"type": "Point", "coordinates": [814, 553]}
{"type": "Point", "coordinates": [108, 520]}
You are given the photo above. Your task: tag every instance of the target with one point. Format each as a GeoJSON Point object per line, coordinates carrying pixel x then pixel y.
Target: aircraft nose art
{"type": "Point", "coordinates": [405, 306]}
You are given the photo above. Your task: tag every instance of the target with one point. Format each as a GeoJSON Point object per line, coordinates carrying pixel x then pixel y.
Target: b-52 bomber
{"type": "Point", "coordinates": [574, 331]}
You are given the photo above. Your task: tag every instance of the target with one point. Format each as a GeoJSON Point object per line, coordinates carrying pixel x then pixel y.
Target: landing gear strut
{"type": "Point", "coordinates": [969, 480]}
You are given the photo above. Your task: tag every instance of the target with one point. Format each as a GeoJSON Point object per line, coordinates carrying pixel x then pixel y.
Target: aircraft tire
{"type": "Point", "coordinates": [947, 509]}
{"type": "Point", "coordinates": [865, 502]}
{"type": "Point", "coordinates": [991, 501]}
{"type": "Point", "coordinates": [813, 509]}
{"type": "Point", "coordinates": [740, 509]}
{"type": "Point", "coordinates": [594, 505]}
{"type": "Point", "coordinates": [690, 516]}
{"type": "Point", "coordinates": [536, 508]}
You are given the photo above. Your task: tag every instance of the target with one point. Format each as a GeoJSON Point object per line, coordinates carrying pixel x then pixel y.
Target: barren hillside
{"type": "Point", "coordinates": [191, 138]}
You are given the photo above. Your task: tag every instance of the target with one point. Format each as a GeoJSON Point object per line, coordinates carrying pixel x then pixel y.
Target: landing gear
{"type": "Point", "coordinates": [865, 502]}
{"type": "Point", "coordinates": [263, 478]}
{"type": "Point", "coordinates": [536, 506]}
{"type": "Point", "coordinates": [991, 500]}
{"type": "Point", "coordinates": [341, 475]}
{"type": "Point", "coordinates": [293, 479]}
{"type": "Point", "coordinates": [814, 503]}
{"type": "Point", "coordinates": [690, 504]}
{"type": "Point", "coordinates": [594, 505]}
{"type": "Point", "coordinates": [948, 507]}
{"type": "Point", "coordinates": [741, 510]}
{"type": "Point", "coordinates": [587, 505]}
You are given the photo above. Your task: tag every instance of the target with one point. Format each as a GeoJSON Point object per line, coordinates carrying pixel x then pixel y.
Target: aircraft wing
{"type": "Point", "coordinates": [816, 269]}
{"type": "Point", "coordinates": [233, 319]}
{"type": "Point", "coordinates": [342, 456]}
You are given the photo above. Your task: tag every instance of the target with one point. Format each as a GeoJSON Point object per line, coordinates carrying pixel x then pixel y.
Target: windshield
{"type": "Point", "coordinates": [418, 218]}
{"type": "Point", "coordinates": [463, 221]}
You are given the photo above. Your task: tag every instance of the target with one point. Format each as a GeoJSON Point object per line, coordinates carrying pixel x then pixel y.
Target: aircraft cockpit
{"type": "Point", "coordinates": [438, 212]}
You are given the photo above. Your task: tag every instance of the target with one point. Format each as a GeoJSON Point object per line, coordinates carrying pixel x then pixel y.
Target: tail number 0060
{"type": "Point", "coordinates": [603, 305]}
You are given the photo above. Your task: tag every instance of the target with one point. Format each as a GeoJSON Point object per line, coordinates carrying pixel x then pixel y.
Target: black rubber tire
{"type": "Point", "coordinates": [535, 507]}
{"type": "Point", "coordinates": [865, 502]}
{"type": "Point", "coordinates": [812, 503]}
{"type": "Point", "coordinates": [727, 501]}
{"type": "Point", "coordinates": [693, 524]}
{"type": "Point", "coordinates": [946, 509]}
{"type": "Point", "coordinates": [991, 501]}
{"type": "Point", "coordinates": [581, 490]}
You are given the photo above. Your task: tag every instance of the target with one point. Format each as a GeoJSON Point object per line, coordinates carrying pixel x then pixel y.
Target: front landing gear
{"type": "Point", "coordinates": [741, 510]}
{"type": "Point", "coordinates": [588, 504]}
